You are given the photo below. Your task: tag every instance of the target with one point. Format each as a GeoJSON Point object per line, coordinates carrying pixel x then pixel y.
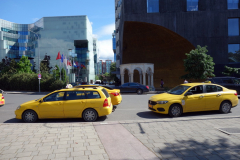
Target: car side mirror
{"type": "Point", "coordinates": [41, 100]}
{"type": "Point", "coordinates": [188, 94]}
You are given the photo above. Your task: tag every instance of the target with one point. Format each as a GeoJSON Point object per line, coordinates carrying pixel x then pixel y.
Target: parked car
{"type": "Point", "coordinates": [194, 97]}
{"type": "Point", "coordinates": [132, 87]}
{"type": "Point", "coordinates": [2, 100]}
{"type": "Point", "coordinates": [86, 103]}
{"type": "Point", "coordinates": [228, 82]}
{"type": "Point", "coordinates": [115, 95]}
{"type": "Point", "coordinates": [73, 84]}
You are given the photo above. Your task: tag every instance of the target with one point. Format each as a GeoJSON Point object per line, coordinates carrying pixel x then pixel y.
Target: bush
{"type": "Point", "coordinates": [29, 82]}
{"type": "Point", "coordinates": [58, 84]}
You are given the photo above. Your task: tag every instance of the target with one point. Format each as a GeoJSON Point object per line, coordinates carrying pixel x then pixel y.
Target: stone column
{"type": "Point", "coordinates": [144, 78]}
{"type": "Point", "coordinates": [131, 77]}
{"type": "Point", "coordinates": [152, 85]}
{"type": "Point", "coordinates": [149, 83]}
{"type": "Point", "coordinates": [122, 79]}
{"type": "Point", "coordinates": [140, 77]}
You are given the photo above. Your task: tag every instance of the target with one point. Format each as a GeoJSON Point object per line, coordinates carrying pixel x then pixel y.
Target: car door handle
{"type": "Point", "coordinates": [201, 96]}
{"type": "Point", "coordinates": [59, 103]}
{"type": "Point", "coordinates": [218, 95]}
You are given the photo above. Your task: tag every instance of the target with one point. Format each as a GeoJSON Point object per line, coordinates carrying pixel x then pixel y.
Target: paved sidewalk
{"type": "Point", "coordinates": [168, 139]}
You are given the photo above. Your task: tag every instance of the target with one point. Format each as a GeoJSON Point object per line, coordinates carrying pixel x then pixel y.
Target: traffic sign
{"type": "Point", "coordinates": [39, 76]}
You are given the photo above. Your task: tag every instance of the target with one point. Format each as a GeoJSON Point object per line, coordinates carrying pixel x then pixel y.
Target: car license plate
{"type": "Point", "coordinates": [150, 106]}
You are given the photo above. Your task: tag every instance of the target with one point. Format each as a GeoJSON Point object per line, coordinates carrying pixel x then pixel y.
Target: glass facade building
{"type": "Point", "coordinates": [108, 65]}
{"type": "Point", "coordinates": [51, 35]}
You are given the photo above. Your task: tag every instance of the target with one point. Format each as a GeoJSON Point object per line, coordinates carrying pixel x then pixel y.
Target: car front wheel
{"type": "Point", "coordinates": [30, 116]}
{"type": "Point", "coordinates": [90, 115]}
{"type": "Point", "coordinates": [175, 110]}
{"type": "Point", "coordinates": [225, 107]}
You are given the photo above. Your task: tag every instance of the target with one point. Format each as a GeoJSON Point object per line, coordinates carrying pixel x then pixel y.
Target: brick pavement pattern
{"type": "Point", "coordinates": [169, 139]}
{"type": "Point", "coordinates": [188, 139]}
{"type": "Point", "coordinates": [60, 141]}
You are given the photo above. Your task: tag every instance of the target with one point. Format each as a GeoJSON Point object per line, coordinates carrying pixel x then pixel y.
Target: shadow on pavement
{"type": "Point", "coordinates": [153, 115]}
{"type": "Point", "coordinates": [219, 148]}
{"type": "Point", "coordinates": [69, 120]}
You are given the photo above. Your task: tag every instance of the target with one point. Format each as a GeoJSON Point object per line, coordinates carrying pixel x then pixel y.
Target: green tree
{"type": "Point", "coordinates": [96, 77]}
{"type": "Point", "coordinates": [9, 68]}
{"type": "Point", "coordinates": [198, 64]}
{"type": "Point", "coordinates": [56, 72]}
{"type": "Point", "coordinates": [229, 71]}
{"type": "Point", "coordinates": [101, 77]}
{"type": "Point", "coordinates": [63, 75]}
{"type": "Point", "coordinates": [24, 65]}
{"type": "Point", "coordinates": [45, 64]}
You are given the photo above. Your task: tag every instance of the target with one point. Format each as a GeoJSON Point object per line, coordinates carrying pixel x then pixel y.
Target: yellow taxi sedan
{"type": "Point", "coordinates": [194, 97]}
{"type": "Point", "coordinates": [2, 100]}
{"type": "Point", "coordinates": [115, 95]}
{"type": "Point", "coordinates": [89, 104]}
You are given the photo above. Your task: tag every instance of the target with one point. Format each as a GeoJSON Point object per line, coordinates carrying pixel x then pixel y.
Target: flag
{"type": "Point", "coordinates": [74, 64]}
{"type": "Point", "coordinates": [77, 64]}
{"type": "Point", "coordinates": [62, 58]}
{"type": "Point", "coordinates": [65, 61]}
{"type": "Point", "coordinates": [82, 66]}
{"type": "Point", "coordinates": [58, 56]}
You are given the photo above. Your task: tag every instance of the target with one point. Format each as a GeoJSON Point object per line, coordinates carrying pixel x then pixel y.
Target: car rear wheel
{"type": "Point", "coordinates": [139, 91]}
{"type": "Point", "coordinates": [90, 115]}
{"type": "Point", "coordinates": [225, 107]}
{"type": "Point", "coordinates": [175, 110]}
{"type": "Point", "coordinates": [30, 116]}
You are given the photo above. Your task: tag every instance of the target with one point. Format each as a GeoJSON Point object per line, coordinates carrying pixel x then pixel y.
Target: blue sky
{"type": "Point", "coordinates": [101, 14]}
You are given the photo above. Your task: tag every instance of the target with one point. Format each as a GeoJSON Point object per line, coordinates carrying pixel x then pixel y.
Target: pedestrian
{"type": "Point", "coordinates": [185, 81]}
{"type": "Point", "coordinates": [162, 83]}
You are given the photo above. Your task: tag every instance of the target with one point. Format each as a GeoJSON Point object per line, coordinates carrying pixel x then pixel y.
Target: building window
{"type": "Point", "coordinates": [192, 5]}
{"type": "Point", "coordinates": [233, 27]}
{"type": "Point", "coordinates": [152, 6]}
{"type": "Point", "coordinates": [233, 4]}
{"type": "Point", "coordinates": [233, 53]}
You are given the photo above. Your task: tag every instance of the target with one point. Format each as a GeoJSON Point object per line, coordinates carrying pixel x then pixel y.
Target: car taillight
{"type": "Point", "coordinates": [115, 94]}
{"type": "Point", "coordinates": [2, 97]}
{"type": "Point", "coordinates": [147, 87]}
{"type": "Point", "coordinates": [235, 94]}
{"type": "Point", "coordinates": [105, 103]}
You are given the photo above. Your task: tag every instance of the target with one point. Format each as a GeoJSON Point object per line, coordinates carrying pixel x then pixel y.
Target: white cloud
{"type": "Point", "coordinates": [106, 30]}
{"type": "Point", "coordinates": [35, 19]}
{"type": "Point", "coordinates": [105, 49]}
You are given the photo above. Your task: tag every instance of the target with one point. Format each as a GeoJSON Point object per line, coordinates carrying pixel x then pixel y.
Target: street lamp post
{"type": "Point", "coordinates": [38, 56]}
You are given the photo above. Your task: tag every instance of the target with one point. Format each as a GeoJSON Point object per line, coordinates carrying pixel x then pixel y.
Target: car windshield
{"type": "Point", "coordinates": [178, 90]}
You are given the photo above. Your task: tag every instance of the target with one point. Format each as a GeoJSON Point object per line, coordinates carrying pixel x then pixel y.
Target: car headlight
{"type": "Point", "coordinates": [162, 102]}
{"type": "Point", "coordinates": [18, 107]}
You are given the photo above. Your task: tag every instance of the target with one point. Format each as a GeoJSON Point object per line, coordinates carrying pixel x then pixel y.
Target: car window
{"type": "Point", "coordinates": [92, 94]}
{"type": "Point", "coordinates": [178, 90]}
{"type": "Point", "coordinates": [105, 92]}
{"type": "Point", "coordinates": [58, 96]}
{"type": "Point", "coordinates": [211, 88]}
{"type": "Point", "coordinates": [236, 81]}
{"type": "Point", "coordinates": [125, 84]}
{"type": "Point", "coordinates": [196, 89]}
{"type": "Point", "coordinates": [219, 88]}
{"type": "Point", "coordinates": [133, 84]}
{"type": "Point", "coordinates": [217, 80]}
{"type": "Point", "coordinates": [73, 95]}
{"type": "Point", "coordinates": [227, 80]}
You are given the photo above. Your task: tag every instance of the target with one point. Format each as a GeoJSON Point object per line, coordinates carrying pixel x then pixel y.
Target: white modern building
{"type": "Point", "coordinates": [52, 35]}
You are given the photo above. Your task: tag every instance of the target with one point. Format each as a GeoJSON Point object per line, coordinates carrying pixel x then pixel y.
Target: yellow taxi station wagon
{"type": "Point", "coordinates": [194, 97]}
{"type": "Point", "coordinates": [89, 104]}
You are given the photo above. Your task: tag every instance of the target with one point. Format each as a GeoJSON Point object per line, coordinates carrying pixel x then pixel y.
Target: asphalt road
{"type": "Point", "coordinates": [133, 107]}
